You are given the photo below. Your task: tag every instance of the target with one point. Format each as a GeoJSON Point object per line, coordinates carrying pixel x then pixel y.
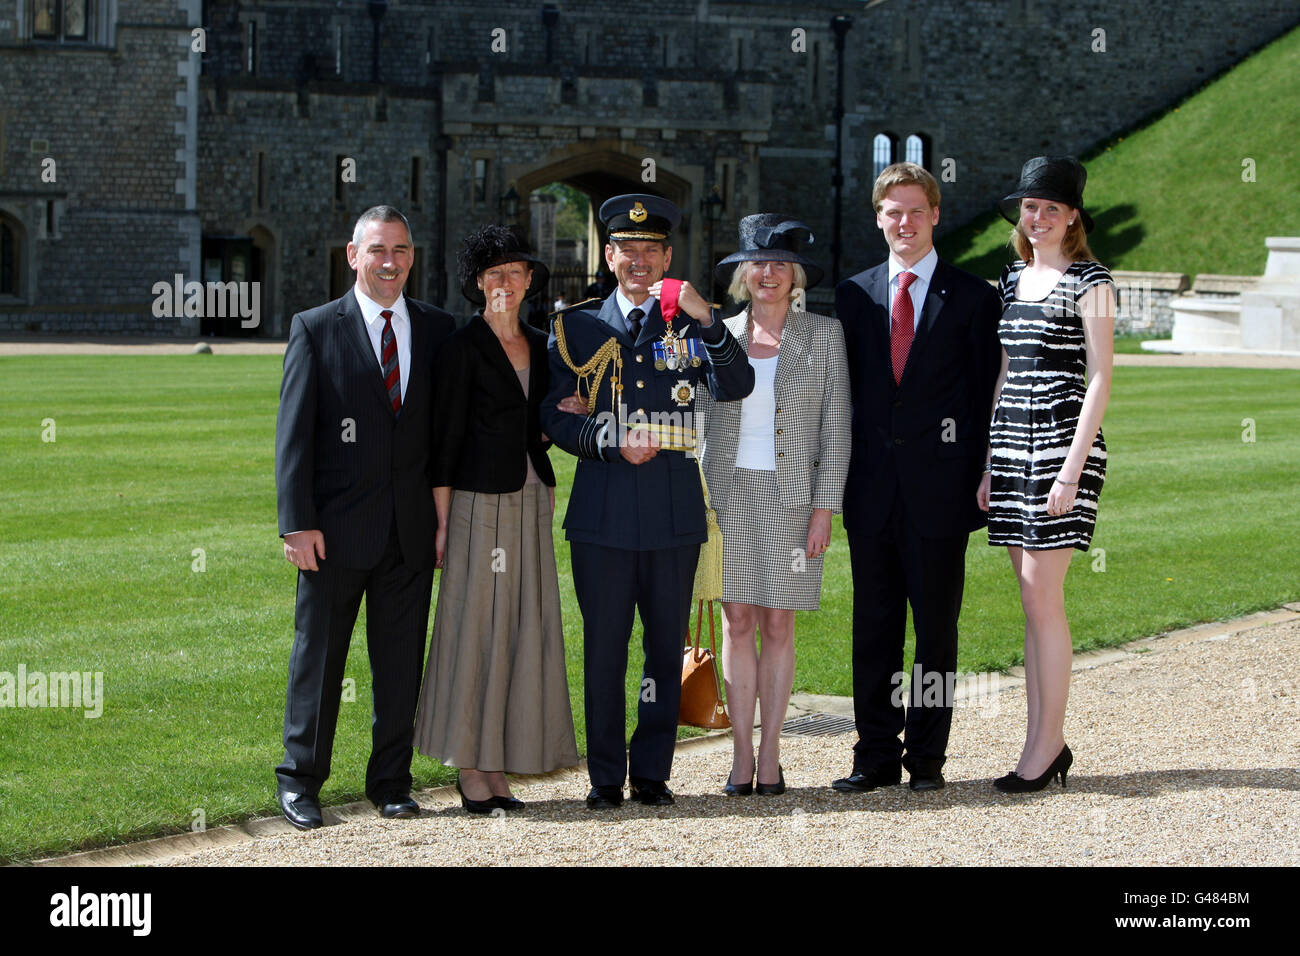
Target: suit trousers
{"type": "Point", "coordinates": [611, 583]}
{"type": "Point", "coordinates": [891, 569]}
{"type": "Point", "coordinates": [397, 623]}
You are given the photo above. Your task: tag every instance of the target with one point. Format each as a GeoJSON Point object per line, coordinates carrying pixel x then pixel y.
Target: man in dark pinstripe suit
{"type": "Point", "coordinates": [352, 482]}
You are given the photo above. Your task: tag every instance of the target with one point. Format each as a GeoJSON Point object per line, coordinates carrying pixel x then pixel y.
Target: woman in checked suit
{"type": "Point", "coordinates": [776, 465]}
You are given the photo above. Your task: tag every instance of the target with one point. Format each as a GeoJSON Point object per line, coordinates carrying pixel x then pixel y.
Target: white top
{"type": "Point", "coordinates": [370, 311]}
{"type": "Point", "coordinates": [924, 272]}
{"type": "Point", "coordinates": [757, 448]}
{"type": "Point", "coordinates": [625, 305]}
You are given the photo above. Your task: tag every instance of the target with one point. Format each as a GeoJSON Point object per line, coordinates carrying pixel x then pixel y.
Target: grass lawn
{"type": "Point", "coordinates": [1131, 344]}
{"type": "Point", "coordinates": [1162, 194]}
{"type": "Point", "coordinates": [158, 456]}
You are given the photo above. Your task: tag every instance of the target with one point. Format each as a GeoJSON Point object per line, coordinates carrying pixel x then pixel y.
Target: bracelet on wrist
{"type": "Point", "coordinates": [1062, 481]}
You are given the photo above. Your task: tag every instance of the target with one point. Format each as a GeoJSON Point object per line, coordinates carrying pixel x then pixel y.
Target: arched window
{"type": "Point", "coordinates": [884, 149]}
{"type": "Point", "coordinates": [10, 257]}
{"type": "Point", "coordinates": [917, 150]}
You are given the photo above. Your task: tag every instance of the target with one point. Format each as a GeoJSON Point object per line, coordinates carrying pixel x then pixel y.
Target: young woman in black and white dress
{"type": "Point", "coordinates": [1047, 457]}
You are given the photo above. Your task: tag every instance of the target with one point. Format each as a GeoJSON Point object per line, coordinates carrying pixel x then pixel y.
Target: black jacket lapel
{"type": "Point", "coordinates": [355, 324]}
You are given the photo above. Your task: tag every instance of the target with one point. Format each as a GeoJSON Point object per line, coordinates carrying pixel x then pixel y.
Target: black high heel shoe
{"type": "Point", "coordinates": [1014, 783]}
{"type": "Point", "coordinates": [738, 789]}
{"type": "Point", "coordinates": [771, 789]}
{"type": "Point", "coordinates": [476, 806]}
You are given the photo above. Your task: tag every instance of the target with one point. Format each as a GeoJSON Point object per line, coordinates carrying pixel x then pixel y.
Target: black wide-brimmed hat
{"type": "Point", "coordinates": [769, 237]}
{"type": "Point", "coordinates": [639, 216]}
{"type": "Point", "coordinates": [1058, 178]}
{"type": "Point", "coordinates": [492, 246]}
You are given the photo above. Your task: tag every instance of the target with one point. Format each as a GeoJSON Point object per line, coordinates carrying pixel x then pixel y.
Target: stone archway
{"type": "Point", "coordinates": [15, 256]}
{"type": "Point", "coordinates": [603, 169]}
{"type": "Point", "coordinates": [265, 271]}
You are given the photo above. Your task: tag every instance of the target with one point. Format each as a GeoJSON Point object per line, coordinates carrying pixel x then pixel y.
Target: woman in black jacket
{"type": "Point", "coordinates": [495, 698]}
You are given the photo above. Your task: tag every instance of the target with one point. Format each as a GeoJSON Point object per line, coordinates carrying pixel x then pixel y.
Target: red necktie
{"type": "Point", "coordinates": [901, 323]}
{"type": "Point", "coordinates": [388, 363]}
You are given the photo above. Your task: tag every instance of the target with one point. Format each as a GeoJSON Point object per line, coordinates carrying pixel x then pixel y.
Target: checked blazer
{"type": "Point", "coordinates": [813, 417]}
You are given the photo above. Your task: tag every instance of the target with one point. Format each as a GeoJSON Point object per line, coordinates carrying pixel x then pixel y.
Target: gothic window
{"type": "Point", "coordinates": [917, 150]}
{"type": "Point", "coordinates": [884, 150]}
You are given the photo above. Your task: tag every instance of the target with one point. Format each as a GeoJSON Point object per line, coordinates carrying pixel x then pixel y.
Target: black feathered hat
{"type": "Point", "coordinates": [1056, 178]}
{"type": "Point", "coordinates": [768, 237]}
{"type": "Point", "coordinates": [491, 246]}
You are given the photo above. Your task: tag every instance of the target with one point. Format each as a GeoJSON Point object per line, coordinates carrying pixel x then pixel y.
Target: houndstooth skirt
{"type": "Point", "coordinates": [764, 547]}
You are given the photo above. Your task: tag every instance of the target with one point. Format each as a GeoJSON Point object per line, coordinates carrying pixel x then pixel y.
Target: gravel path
{"type": "Point", "coordinates": [1186, 753]}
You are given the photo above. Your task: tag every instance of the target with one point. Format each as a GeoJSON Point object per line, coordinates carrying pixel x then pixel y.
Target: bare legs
{"type": "Point", "coordinates": [750, 676]}
{"type": "Point", "coordinates": [1048, 653]}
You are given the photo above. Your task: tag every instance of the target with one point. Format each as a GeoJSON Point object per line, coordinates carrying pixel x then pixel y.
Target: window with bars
{"type": "Point", "coordinates": [916, 149]}
{"type": "Point", "coordinates": [61, 19]}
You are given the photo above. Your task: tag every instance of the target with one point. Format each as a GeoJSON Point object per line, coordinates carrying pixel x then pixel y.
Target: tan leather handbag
{"type": "Point", "coordinates": [701, 694]}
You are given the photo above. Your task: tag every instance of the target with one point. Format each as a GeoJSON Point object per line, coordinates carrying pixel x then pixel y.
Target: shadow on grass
{"type": "Point", "coordinates": [1115, 232]}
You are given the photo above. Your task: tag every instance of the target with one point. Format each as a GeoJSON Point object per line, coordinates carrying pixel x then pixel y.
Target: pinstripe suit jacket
{"type": "Point", "coordinates": [813, 416]}
{"type": "Point", "coordinates": [344, 463]}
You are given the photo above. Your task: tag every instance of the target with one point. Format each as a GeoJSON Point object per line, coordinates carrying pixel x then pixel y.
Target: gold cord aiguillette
{"type": "Point", "coordinates": [592, 372]}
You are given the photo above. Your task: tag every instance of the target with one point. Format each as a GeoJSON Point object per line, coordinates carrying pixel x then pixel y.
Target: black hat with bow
{"type": "Point", "coordinates": [769, 237]}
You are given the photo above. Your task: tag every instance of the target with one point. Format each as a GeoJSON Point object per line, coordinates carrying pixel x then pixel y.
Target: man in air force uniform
{"type": "Point", "coordinates": [636, 510]}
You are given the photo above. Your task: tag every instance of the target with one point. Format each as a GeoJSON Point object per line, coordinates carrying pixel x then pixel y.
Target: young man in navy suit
{"type": "Point", "coordinates": [924, 356]}
{"type": "Point", "coordinates": [355, 500]}
{"type": "Point", "coordinates": [636, 511]}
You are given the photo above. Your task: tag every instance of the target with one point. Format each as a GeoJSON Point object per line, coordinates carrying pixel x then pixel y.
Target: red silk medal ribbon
{"type": "Point", "coordinates": [668, 293]}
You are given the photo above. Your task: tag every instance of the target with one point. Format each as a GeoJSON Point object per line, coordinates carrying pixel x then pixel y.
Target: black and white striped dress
{"type": "Point", "coordinates": [1038, 412]}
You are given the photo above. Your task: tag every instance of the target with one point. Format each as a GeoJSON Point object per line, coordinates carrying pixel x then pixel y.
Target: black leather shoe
{"type": "Point", "coordinates": [653, 793]}
{"type": "Point", "coordinates": [771, 789]}
{"type": "Point", "coordinates": [926, 780]}
{"type": "Point", "coordinates": [864, 781]}
{"type": "Point", "coordinates": [605, 798]}
{"type": "Point", "coordinates": [300, 809]}
{"type": "Point", "coordinates": [475, 806]}
{"type": "Point", "coordinates": [508, 803]}
{"type": "Point", "coordinates": [399, 807]}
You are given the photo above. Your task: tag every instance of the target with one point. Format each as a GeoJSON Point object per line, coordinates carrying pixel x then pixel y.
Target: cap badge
{"type": "Point", "coordinates": [637, 213]}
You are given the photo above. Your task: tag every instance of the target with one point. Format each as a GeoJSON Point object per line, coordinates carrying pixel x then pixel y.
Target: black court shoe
{"type": "Point", "coordinates": [771, 789]}
{"type": "Point", "coordinates": [738, 789]}
{"type": "Point", "coordinates": [1014, 783]}
{"type": "Point", "coordinates": [475, 806]}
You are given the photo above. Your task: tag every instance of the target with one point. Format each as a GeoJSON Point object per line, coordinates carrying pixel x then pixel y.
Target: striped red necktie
{"type": "Point", "coordinates": [901, 326]}
{"type": "Point", "coordinates": [388, 363]}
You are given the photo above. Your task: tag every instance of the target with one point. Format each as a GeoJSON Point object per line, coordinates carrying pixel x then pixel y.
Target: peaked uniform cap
{"type": "Point", "coordinates": [639, 216]}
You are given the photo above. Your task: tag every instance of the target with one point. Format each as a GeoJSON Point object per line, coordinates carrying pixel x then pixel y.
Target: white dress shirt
{"type": "Point", "coordinates": [370, 310]}
{"type": "Point", "coordinates": [625, 305]}
{"type": "Point", "coordinates": [924, 272]}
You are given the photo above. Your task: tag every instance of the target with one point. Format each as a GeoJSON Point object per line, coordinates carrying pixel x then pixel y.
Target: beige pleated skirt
{"type": "Point", "coordinates": [495, 696]}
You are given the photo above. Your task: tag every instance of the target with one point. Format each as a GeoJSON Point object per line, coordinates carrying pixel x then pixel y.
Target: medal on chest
{"type": "Point", "coordinates": [675, 352]}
